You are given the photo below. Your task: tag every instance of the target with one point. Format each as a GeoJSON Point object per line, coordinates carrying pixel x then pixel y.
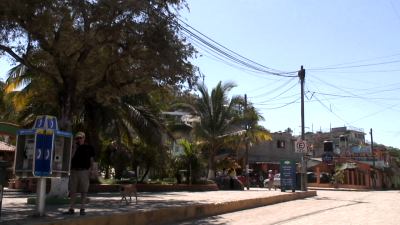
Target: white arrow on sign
{"type": "Point", "coordinates": [39, 151]}
{"type": "Point", "coordinates": [40, 122]}
{"type": "Point", "coordinates": [47, 156]}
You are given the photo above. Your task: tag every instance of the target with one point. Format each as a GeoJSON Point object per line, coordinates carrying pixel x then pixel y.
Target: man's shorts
{"type": "Point", "coordinates": [79, 181]}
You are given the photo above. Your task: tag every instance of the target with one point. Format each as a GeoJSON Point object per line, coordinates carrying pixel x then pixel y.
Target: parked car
{"type": "Point", "coordinates": [277, 181]}
{"type": "Point", "coordinates": [323, 177]}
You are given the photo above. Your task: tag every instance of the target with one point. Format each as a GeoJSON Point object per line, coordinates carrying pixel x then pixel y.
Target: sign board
{"type": "Point", "coordinates": [301, 146]}
{"type": "Point", "coordinates": [288, 175]}
{"type": "Point", "coordinates": [43, 153]}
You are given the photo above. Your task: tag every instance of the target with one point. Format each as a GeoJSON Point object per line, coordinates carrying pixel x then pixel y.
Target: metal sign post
{"type": "Point", "coordinates": [41, 196]}
{"type": "Point", "coordinates": [301, 147]}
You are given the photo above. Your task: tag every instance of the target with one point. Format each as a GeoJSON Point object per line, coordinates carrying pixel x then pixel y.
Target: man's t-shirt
{"type": "Point", "coordinates": [81, 158]}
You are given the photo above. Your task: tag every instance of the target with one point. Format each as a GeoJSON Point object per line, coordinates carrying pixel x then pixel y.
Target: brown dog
{"type": "Point", "coordinates": [127, 190]}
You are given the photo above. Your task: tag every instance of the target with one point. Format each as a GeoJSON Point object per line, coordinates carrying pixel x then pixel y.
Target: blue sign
{"type": "Point", "coordinates": [52, 123]}
{"type": "Point", "coordinates": [43, 153]}
{"type": "Point", "coordinates": [288, 175]}
{"type": "Point", "coordinates": [40, 122]}
{"type": "Point", "coordinates": [46, 122]}
{"type": "Point", "coordinates": [26, 132]}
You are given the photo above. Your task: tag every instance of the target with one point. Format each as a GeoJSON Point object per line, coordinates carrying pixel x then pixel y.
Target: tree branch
{"type": "Point", "coordinates": [23, 61]}
{"type": "Point", "coordinates": [14, 55]}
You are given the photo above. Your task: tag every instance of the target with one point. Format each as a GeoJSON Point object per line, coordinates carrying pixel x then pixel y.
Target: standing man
{"type": "Point", "coordinates": [81, 165]}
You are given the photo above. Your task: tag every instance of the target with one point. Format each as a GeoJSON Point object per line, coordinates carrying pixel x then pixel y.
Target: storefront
{"type": "Point", "coordinates": [347, 173]}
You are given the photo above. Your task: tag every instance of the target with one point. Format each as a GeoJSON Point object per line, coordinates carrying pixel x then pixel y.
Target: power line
{"type": "Point", "coordinates": [360, 61]}
{"type": "Point", "coordinates": [376, 112]}
{"type": "Point", "coordinates": [355, 66]}
{"type": "Point", "coordinates": [266, 85]}
{"type": "Point", "coordinates": [218, 58]}
{"type": "Point", "coordinates": [350, 96]}
{"type": "Point", "coordinates": [273, 90]}
{"type": "Point", "coordinates": [284, 105]}
{"type": "Point", "coordinates": [330, 110]}
{"type": "Point", "coordinates": [229, 54]}
{"type": "Point", "coordinates": [367, 99]}
{"type": "Point", "coordinates": [366, 71]}
{"type": "Point", "coordinates": [283, 92]}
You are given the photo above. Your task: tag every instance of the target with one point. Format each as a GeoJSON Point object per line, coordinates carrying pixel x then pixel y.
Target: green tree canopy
{"type": "Point", "coordinates": [96, 50]}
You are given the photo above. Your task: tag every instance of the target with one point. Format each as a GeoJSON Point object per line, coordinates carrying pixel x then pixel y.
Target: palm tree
{"type": "Point", "coordinates": [30, 94]}
{"type": "Point", "coordinates": [7, 109]}
{"type": "Point", "coordinates": [249, 118]}
{"type": "Point", "coordinates": [216, 114]}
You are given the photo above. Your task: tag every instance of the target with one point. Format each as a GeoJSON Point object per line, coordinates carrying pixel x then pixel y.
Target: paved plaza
{"type": "Point", "coordinates": [15, 209]}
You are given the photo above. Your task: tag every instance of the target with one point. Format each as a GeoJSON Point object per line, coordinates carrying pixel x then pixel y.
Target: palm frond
{"type": "Point", "coordinates": [17, 76]}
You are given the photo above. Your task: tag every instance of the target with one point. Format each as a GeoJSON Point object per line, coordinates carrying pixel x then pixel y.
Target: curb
{"type": "Point", "coordinates": [181, 213]}
{"type": "Point", "coordinates": [337, 189]}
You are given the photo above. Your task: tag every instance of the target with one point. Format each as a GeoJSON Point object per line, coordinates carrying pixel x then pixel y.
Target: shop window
{"type": "Point", "coordinates": [280, 144]}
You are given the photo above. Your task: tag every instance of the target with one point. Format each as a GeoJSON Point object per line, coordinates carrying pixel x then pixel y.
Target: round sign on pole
{"type": "Point", "coordinates": [301, 146]}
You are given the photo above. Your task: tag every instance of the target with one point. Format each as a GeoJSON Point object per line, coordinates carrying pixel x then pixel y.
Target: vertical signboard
{"type": "Point", "coordinates": [288, 175]}
{"type": "Point", "coordinates": [43, 153]}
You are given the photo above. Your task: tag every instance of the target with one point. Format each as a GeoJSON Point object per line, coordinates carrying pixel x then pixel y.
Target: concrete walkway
{"type": "Point", "coordinates": [152, 208]}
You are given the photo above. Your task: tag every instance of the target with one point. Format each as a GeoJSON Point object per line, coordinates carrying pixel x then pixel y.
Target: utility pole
{"type": "Point", "coordinates": [246, 137]}
{"type": "Point", "coordinates": [302, 75]}
{"type": "Point", "coordinates": [373, 160]}
{"type": "Point", "coordinates": [372, 148]}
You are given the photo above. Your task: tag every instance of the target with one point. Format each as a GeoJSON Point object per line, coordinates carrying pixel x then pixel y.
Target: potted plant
{"type": "Point", "coordinates": [338, 177]}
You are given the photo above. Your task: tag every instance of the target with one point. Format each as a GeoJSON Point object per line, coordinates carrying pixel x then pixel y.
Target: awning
{"type": "Point", "coordinates": [6, 147]}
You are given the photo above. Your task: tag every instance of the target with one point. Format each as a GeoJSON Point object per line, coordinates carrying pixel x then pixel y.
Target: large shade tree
{"type": "Point", "coordinates": [82, 55]}
{"type": "Point", "coordinates": [90, 50]}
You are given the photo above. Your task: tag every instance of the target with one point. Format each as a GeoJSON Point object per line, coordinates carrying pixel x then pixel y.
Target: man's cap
{"type": "Point", "coordinates": [80, 134]}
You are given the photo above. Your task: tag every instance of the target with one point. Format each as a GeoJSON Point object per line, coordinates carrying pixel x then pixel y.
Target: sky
{"type": "Point", "coordinates": [349, 49]}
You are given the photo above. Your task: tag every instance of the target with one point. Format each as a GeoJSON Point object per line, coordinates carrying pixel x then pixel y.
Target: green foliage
{"type": "Point", "coordinates": [216, 114]}
{"type": "Point", "coordinates": [82, 52]}
{"type": "Point", "coordinates": [338, 176]}
{"type": "Point", "coordinates": [150, 157]}
{"type": "Point", "coordinates": [191, 161]}
{"type": "Point", "coordinates": [227, 163]}
{"type": "Point", "coordinates": [92, 64]}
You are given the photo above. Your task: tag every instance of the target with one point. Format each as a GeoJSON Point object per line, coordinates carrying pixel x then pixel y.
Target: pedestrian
{"type": "Point", "coordinates": [232, 178]}
{"type": "Point", "coordinates": [270, 179]}
{"type": "Point", "coordinates": [81, 164]}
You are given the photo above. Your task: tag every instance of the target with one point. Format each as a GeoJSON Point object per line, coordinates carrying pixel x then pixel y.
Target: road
{"type": "Point", "coordinates": [329, 207]}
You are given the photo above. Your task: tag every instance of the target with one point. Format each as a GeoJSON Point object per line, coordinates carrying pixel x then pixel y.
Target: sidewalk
{"type": "Point", "coordinates": [152, 208]}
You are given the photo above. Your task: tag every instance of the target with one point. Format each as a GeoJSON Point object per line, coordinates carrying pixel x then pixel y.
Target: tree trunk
{"type": "Point", "coordinates": [211, 165]}
{"type": "Point", "coordinates": [107, 173]}
{"type": "Point", "coordinates": [145, 174]}
{"type": "Point", "coordinates": [59, 186]}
